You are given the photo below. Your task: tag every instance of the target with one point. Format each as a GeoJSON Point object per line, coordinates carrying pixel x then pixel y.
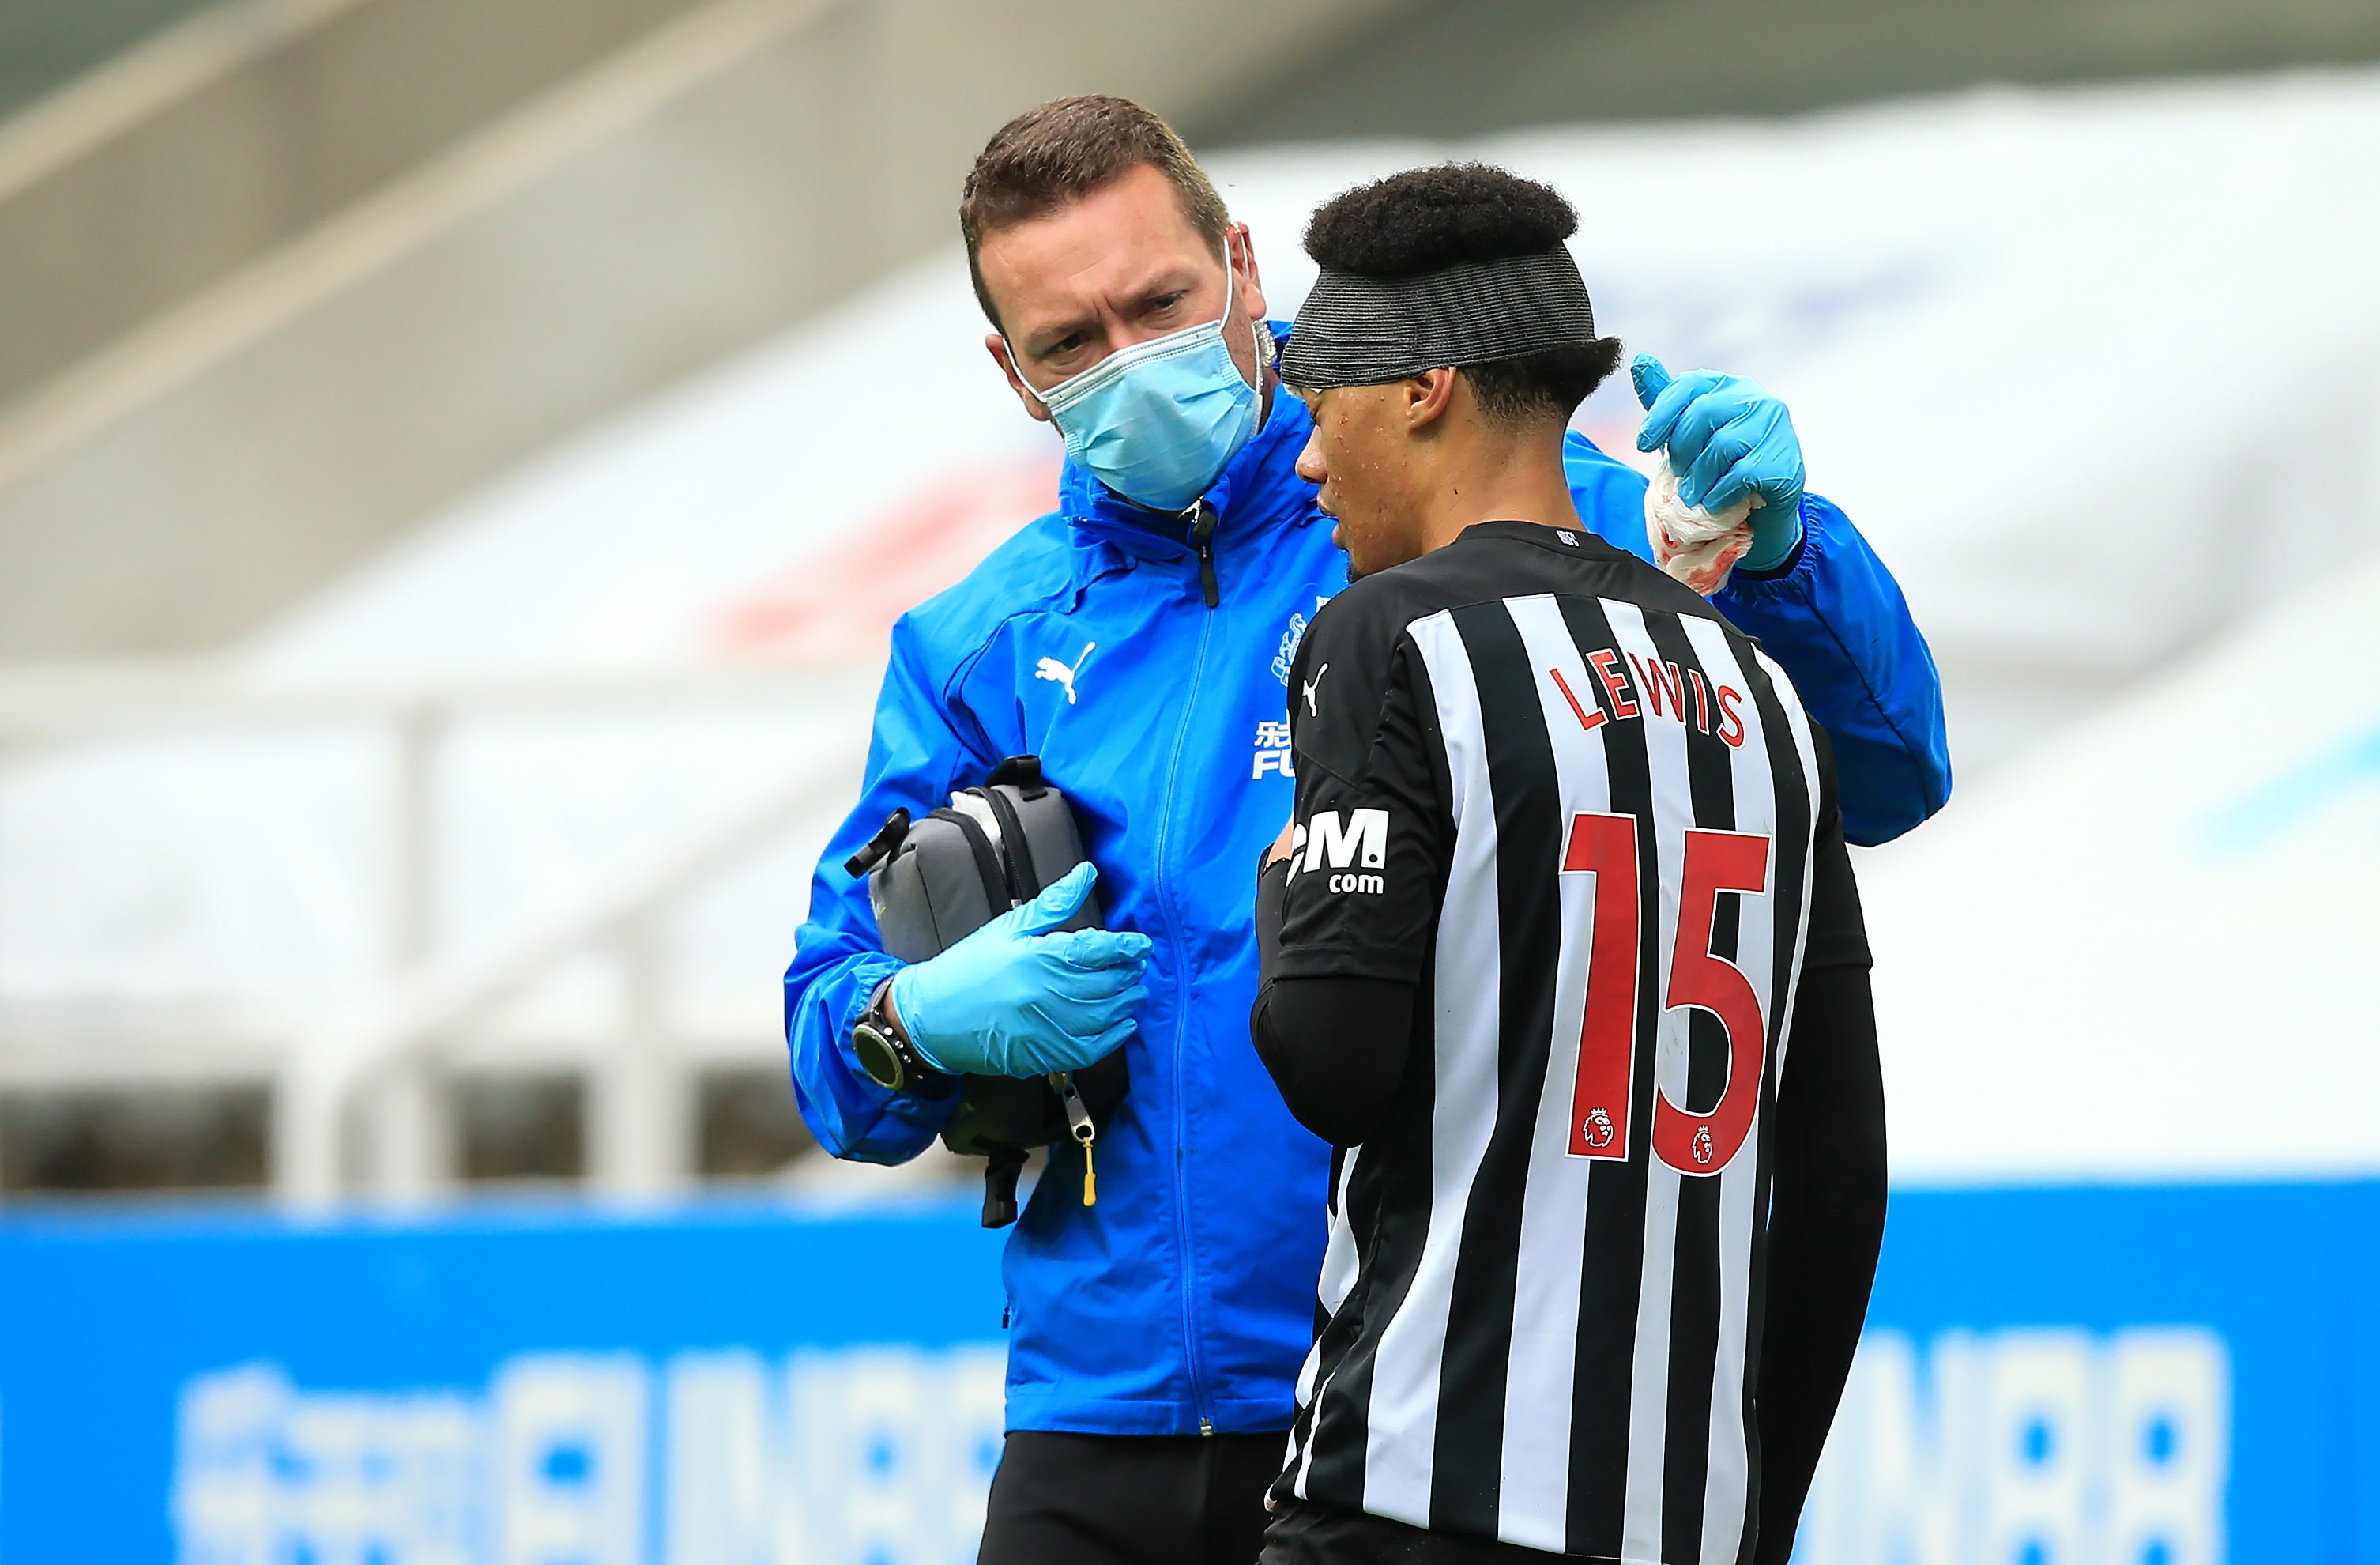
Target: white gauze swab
{"type": "Point", "coordinates": [1698, 547]}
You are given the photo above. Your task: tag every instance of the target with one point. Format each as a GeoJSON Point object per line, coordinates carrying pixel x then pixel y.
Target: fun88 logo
{"type": "Point", "coordinates": [2037, 1446]}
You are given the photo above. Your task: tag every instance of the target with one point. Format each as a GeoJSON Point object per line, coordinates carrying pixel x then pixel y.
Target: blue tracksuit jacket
{"type": "Point", "coordinates": [1184, 1300]}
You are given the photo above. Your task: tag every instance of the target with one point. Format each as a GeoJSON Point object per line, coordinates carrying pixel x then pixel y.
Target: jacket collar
{"type": "Point", "coordinates": [1259, 490]}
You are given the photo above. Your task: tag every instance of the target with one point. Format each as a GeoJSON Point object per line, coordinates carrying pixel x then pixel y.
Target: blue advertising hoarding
{"type": "Point", "coordinates": [2158, 1376]}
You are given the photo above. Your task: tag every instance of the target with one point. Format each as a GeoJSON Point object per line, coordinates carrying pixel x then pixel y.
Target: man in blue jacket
{"type": "Point", "coordinates": [1138, 641]}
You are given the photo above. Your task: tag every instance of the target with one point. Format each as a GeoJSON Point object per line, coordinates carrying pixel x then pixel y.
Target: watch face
{"type": "Point", "coordinates": [878, 1058]}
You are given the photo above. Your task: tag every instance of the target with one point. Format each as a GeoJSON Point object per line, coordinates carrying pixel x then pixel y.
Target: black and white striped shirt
{"type": "Point", "coordinates": [1588, 820]}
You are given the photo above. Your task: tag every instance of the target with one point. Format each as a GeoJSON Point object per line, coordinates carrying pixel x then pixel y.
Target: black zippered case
{"type": "Point", "coordinates": [933, 880]}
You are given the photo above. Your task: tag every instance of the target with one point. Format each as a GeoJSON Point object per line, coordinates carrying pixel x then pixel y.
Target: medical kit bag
{"type": "Point", "coordinates": [935, 880]}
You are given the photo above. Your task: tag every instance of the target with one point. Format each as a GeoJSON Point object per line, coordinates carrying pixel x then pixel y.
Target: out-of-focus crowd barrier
{"type": "Point", "coordinates": [2157, 1376]}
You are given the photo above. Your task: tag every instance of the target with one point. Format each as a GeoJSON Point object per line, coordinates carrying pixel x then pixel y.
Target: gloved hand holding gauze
{"type": "Point", "coordinates": [1013, 999]}
{"type": "Point", "coordinates": [1728, 489]}
{"type": "Point", "coordinates": [1698, 547]}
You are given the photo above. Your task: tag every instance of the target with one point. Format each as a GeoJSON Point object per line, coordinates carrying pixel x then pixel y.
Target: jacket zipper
{"type": "Point", "coordinates": [1203, 518]}
{"type": "Point", "coordinates": [1202, 535]}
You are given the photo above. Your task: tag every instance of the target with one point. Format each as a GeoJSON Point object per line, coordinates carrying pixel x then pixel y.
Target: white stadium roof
{"type": "Point", "coordinates": [2090, 368]}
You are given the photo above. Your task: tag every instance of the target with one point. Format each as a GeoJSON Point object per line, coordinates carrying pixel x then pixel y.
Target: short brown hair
{"type": "Point", "coordinates": [1064, 151]}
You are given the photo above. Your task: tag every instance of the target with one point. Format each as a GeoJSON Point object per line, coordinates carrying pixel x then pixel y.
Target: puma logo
{"type": "Point", "coordinates": [1051, 668]}
{"type": "Point", "coordinates": [1310, 709]}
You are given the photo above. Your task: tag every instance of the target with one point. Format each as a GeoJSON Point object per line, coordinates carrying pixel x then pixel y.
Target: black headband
{"type": "Point", "coordinates": [1355, 330]}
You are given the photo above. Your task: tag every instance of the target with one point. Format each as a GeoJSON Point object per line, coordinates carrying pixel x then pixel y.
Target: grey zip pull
{"type": "Point", "coordinates": [1203, 519]}
{"type": "Point", "coordinates": [1078, 1121]}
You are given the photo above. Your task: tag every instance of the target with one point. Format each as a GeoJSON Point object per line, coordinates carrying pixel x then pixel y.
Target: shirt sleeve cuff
{"type": "Point", "coordinates": [1787, 567]}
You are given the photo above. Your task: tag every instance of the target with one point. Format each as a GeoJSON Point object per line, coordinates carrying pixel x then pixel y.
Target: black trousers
{"type": "Point", "coordinates": [1130, 1499]}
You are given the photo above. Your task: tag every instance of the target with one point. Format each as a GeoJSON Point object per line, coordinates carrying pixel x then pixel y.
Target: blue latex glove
{"type": "Point", "coordinates": [1014, 1000]}
{"type": "Point", "coordinates": [1726, 437]}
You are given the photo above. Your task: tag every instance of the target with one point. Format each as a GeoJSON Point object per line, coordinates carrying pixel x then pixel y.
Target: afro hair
{"type": "Point", "coordinates": [1428, 219]}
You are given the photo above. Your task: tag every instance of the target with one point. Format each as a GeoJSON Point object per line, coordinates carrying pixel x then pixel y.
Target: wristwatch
{"type": "Point", "coordinates": [886, 1056]}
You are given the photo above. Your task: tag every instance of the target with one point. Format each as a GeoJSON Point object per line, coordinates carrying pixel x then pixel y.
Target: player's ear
{"type": "Point", "coordinates": [1426, 398]}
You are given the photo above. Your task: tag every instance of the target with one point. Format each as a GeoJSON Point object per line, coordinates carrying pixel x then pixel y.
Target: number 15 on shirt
{"type": "Point", "coordinates": [1600, 1122]}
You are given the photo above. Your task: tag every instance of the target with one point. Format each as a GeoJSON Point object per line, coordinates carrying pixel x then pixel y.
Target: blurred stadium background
{"type": "Point", "coordinates": [458, 462]}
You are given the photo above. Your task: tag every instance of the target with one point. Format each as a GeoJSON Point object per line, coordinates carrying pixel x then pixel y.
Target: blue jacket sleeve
{"type": "Point", "coordinates": [1834, 618]}
{"type": "Point", "coordinates": [915, 759]}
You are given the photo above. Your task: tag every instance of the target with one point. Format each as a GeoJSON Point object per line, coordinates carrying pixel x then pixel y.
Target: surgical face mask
{"type": "Point", "coordinates": [1157, 422]}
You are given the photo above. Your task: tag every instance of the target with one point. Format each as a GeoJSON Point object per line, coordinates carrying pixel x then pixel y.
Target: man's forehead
{"type": "Point", "coordinates": [1123, 239]}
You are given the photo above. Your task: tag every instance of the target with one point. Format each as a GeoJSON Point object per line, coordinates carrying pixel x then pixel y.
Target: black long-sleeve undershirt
{"type": "Point", "coordinates": [1337, 1048]}
{"type": "Point", "coordinates": [1825, 1225]}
